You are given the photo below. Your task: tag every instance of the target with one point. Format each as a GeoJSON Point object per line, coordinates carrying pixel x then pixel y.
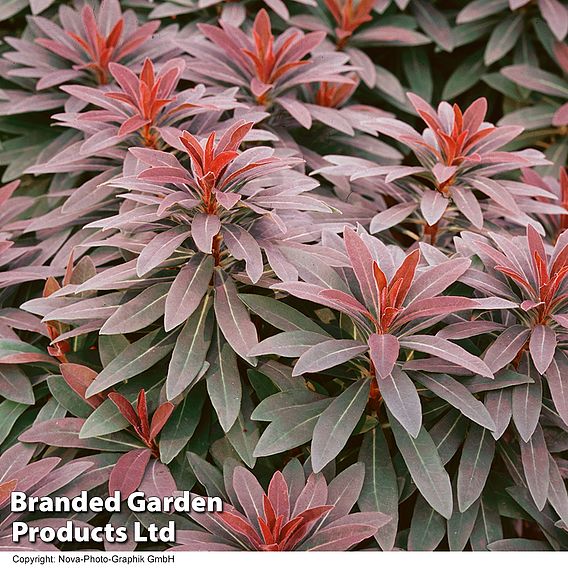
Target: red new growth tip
{"type": "Point", "coordinates": [333, 95]}
{"type": "Point", "coordinates": [278, 532]}
{"type": "Point", "coordinates": [271, 59]}
{"type": "Point", "coordinates": [137, 416]}
{"type": "Point", "coordinates": [349, 16]}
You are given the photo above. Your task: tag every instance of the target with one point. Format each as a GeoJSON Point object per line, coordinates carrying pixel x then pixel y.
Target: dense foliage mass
{"type": "Point", "coordinates": [310, 257]}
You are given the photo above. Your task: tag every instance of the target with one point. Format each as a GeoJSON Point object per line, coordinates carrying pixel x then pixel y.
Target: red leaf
{"type": "Point", "coordinates": [128, 472]}
{"type": "Point", "coordinates": [160, 418]}
{"type": "Point", "coordinates": [126, 409]}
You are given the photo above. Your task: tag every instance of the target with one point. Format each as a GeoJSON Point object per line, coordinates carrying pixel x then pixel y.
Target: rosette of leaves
{"type": "Point", "coordinates": [268, 70]}
{"type": "Point", "coordinates": [190, 231]}
{"type": "Point", "coordinates": [390, 303]}
{"type": "Point", "coordinates": [295, 513]}
{"type": "Point", "coordinates": [460, 155]}
{"type": "Point", "coordinates": [135, 112]}
{"type": "Point", "coordinates": [533, 275]}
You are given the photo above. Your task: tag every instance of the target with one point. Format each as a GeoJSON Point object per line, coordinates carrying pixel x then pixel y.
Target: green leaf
{"type": "Point", "coordinates": [208, 475]}
{"type": "Point", "coordinates": [337, 422]}
{"type": "Point", "coordinates": [224, 382]}
{"type": "Point", "coordinates": [427, 528]}
{"type": "Point", "coordinates": [67, 397]}
{"type": "Point", "coordinates": [425, 467]}
{"type": "Point", "coordinates": [181, 424]}
{"type": "Point", "coordinates": [475, 464]}
{"type": "Point", "coordinates": [135, 359]}
{"type": "Point", "coordinates": [190, 350]}
{"type": "Point", "coordinates": [10, 411]}
{"type": "Point", "coordinates": [380, 487]}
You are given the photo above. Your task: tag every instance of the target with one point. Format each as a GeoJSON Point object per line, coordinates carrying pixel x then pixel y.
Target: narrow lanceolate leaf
{"type": "Point", "coordinates": [487, 528]}
{"type": "Point", "coordinates": [187, 290]}
{"type": "Point", "coordinates": [292, 427]}
{"type": "Point", "coordinates": [181, 425]}
{"type": "Point", "coordinates": [503, 38]}
{"type": "Point", "coordinates": [425, 467]}
{"type": "Point", "coordinates": [328, 354]}
{"type": "Point", "coordinates": [15, 385]}
{"type": "Point", "coordinates": [542, 346]}
{"type": "Point", "coordinates": [380, 487]}
{"type": "Point", "coordinates": [527, 403]}
{"type": "Point", "coordinates": [457, 395]}
{"type": "Point", "coordinates": [190, 350]}
{"type": "Point", "coordinates": [203, 228]}
{"type": "Point", "coordinates": [128, 472]}
{"type": "Point", "coordinates": [556, 378]}
{"type": "Point", "coordinates": [139, 312]}
{"type": "Point", "coordinates": [384, 350]}
{"type": "Point", "coordinates": [288, 343]}
{"type": "Point", "coordinates": [475, 464]}
{"type": "Point", "coordinates": [208, 475]}
{"type": "Point", "coordinates": [362, 263]}
{"type": "Point", "coordinates": [401, 398]}
{"type": "Point", "coordinates": [279, 314]}
{"type": "Point", "coordinates": [10, 411]}
{"type": "Point", "coordinates": [448, 351]}
{"type": "Point", "coordinates": [557, 494]}
{"type": "Point", "coordinates": [243, 246]}
{"type": "Point", "coordinates": [427, 528]}
{"type": "Point", "coordinates": [232, 317]}
{"type": "Point", "coordinates": [460, 526]}
{"type": "Point", "coordinates": [160, 248]}
{"type": "Point", "coordinates": [506, 347]}
{"type": "Point", "coordinates": [499, 404]}
{"type": "Point", "coordinates": [224, 383]}
{"type": "Point", "coordinates": [535, 458]}
{"type": "Point", "coordinates": [337, 422]}
{"type": "Point", "coordinates": [135, 359]}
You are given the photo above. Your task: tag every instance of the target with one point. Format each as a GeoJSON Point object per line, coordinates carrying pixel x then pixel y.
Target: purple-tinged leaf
{"type": "Point", "coordinates": [328, 354]}
{"type": "Point", "coordinates": [500, 406]}
{"type": "Point", "coordinates": [436, 279]}
{"type": "Point", "coordinates": [434, 23]}
{"type": "Point", "coordinates": [139, 312]}
{"type": "Point", "coordinates": [425, 467]}
{"type": "Point", "coordinates": [557, 495]}
{"type": "Point", "coordinates": [457, 395]}
{"type": "Point", "coordinates": [288, 343]}
{"type": "Point", "coordinates": [556, 378]}
{"type": "Point", "coordinates": [190, 351]}
{"type": "Point", "coordinates": [157, 481]}
{"type": "Point", "coordinates": [506, 347]}
{"type": "Point", "coordinates": [556, 16]}
{"type": "Point", "coordinates": [15, 385]}
{"type": "Point", "coordinates": [460, 526]}
{"type": "Point", "coordinates": [337, 422]}
{"type": "Point", "coordinates": [402, 400]}
{"type": "Point", "coordinates": [187, 290]}
{"type": "Point", "coordinates": [384, 350]}
{"type": "Point", "coordinates": [542, 346]}
{"type": "Point", "coordinates": [203, 228]}
{"type": "Point", "coordinates": [527, 403]}
{"type": "Point", "coordinates": [427, 527]}
{"type": "Point", "coordinates": [243, 246]}
{"type": "Point", "coordinates": [134, 360]}
{"type": "Point", "coordinates": [503, 38]}
{"type": "Point", "coordinates": [160, 248]}
{"type": "Point", "coordinates": [475, 464]}
{"type": "Point", "coordinates": [362, 264]}
{"type": "Point", "coordinates": [380, 487]}
{"type": "Point", "coordinates": [391, 217]}
{"type": "Point", "coordinates": [535, 458]}
{"type": "Point", "coordinates": [448, 351]}
{"type": "Point", "coordinates": [345, 532]}
{"type": "Point", "coordinates": [128, 472]}
{"type": "Point", "coordinates": [433, 206]}
{"type": "Point", "coordinates": [232, 316]}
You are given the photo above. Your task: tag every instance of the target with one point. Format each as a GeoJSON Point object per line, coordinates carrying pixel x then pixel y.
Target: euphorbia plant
{"type": "Point", "coordinates": [389, 302]}
{"type": "Point", "coordinates": [270, 68]}
{"type": "Point", "coordinates": [294, 514]}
